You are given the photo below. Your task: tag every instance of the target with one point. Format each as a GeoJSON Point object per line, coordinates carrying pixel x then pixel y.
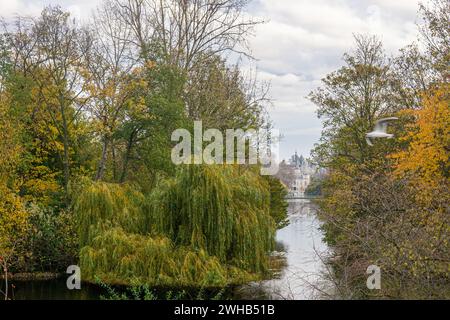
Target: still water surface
{"type": "Point", "coordinates": [301, 251]}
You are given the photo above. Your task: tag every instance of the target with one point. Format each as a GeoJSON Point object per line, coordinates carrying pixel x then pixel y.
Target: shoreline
{"type": "Point", "coordinates": [31, 276]}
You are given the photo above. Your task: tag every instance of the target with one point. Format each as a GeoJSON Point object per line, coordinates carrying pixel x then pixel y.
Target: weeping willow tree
{"type": "Point", "coordinates": [222, 209]}
{"type": "Point", "coordinates": [118, 257]}
{"type": "Point", "coordinates": [208, 226]}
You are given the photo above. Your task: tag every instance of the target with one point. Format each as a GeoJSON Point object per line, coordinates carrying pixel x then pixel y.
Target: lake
{"type": "Point", "coordinates": [301, 252]}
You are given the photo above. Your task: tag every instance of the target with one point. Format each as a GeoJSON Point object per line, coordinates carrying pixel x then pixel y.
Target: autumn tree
{"type": "Point", "coordinates": [426, 160]}
{"type": "Point", "coordinates": [13, 216]}
{"type": "Point", "coordinates": [193, 36]}
{"type": "Point", "coordinates": [150, 74]}
{"type": "Point", "coordinates": [110, 83]}
{"type": "Point", "coordinates": [100, 102]}
{"type": "Point", "coordinates": [388, 204]}
{"type": "Point", "coordinates": [350, 101]}
{"type": "Point", "coordinates": [50, 51]}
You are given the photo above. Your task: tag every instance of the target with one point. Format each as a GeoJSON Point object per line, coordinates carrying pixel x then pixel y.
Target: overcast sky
{"type": "Point", "coordinates": [301, 42]}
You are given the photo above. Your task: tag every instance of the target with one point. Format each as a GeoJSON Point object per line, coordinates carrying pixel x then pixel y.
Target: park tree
{"type": "Point", "coordinates": [388, 204]}
{"type": "Point", "coordinates": [192, 36]}
{"type": "Point", "coordinates": [13, 216]}
{"type": "Point", "coordinates": [435, 34]}
{"type": "Point", "coordinates": [425, 160]}
{"type": "Point", "coordinates": [89, 110]}
{"type": "Point", "coordinates": [350, 100]}
{"type": "Point", "coordinates": [111, 82]}
{"type": "Point", "coordinates": [222, 97]}
{"type": "Point", "coordinates": [49, 51]}
{"type": "Point", "coordinates": [186, 32]}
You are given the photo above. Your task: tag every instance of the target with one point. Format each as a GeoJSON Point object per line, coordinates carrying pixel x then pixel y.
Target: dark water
{"type": "Point", "coordinates": [54, 289]}
{"type": "Point", "coordinates": [297, 268]}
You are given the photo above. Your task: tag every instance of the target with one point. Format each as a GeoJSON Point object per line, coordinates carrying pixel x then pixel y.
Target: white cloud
{"type": "Point", "coordinates": [302, 42]}
{"type": "Point", "coordinates": [11, 8]}
{"type": "Point", "coordinates": [78, 8]}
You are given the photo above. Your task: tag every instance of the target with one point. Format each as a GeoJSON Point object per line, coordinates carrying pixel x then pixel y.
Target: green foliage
{"type": "Point", "coordinates": [124, 258]}
{"type": "Point", "coordinates": [315, 187]}
{"type": "Point", "coordinates": [209, 226]}
{"type": "Point", "coordinates": [278, 203]}
{"type": "Point", "coordinates": [102, 206]}
{"type": "Point", "coordinates": [148, 133]}
{"type": "Point", "coordinates": [75, 105]}
{"type": "Point", "coordinates": [145, 292]}
{"type": "Point", "coordinates": [223, 209]}
{"type": "Point", "coordinates": [51, 243]}
{"type": "Point", "coordinates": [138, 292]}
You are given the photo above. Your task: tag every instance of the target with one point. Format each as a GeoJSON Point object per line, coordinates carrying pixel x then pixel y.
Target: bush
{"type": "Point", "coordinates": [51, 244]}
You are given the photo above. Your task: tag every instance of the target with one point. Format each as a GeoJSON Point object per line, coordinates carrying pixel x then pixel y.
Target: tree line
{"type": "Point", "coordinates": [86, 115]}
{"type": "Point", "coordinates": [387, 205]}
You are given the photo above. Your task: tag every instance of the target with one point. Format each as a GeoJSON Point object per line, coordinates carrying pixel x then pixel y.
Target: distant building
{"type": "Point", "coordinates": [296, 175]}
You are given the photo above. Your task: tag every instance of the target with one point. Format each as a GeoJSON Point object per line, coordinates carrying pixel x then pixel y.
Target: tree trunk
{"type": "Point", "coordinates": [102, 163]}
{"type": "Point", "coordinates": [6, 281]}
{"type": "Point", "coordinates": [66, 161]}
{"type": "Point", "coordinates": [127, 157]}
{"type": "Point", "coordinates": [114, 162]}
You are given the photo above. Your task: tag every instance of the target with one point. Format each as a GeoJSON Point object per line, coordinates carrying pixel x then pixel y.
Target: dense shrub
{"type": "Point", "coordinates": [51, 242]}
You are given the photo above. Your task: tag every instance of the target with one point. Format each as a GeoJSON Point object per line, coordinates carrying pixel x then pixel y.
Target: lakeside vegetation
{"type": "Point", "coordinates": [86, 178]}
{"type": "Point", "coordinates": [387, 205]}
{"type": "Point", "coordinates": [86, 117]}
{"type": "Point", "coordinates": [208, 226]}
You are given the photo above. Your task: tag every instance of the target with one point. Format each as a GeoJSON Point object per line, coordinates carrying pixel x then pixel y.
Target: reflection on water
{"type": "Point", "coordinates": [298, 268]}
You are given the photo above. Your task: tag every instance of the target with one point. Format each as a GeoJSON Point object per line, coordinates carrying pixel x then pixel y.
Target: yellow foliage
{"type": "Point", "coordinates": [426, 159]}
{"type": "Point", "coordinates": [13, 217]}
